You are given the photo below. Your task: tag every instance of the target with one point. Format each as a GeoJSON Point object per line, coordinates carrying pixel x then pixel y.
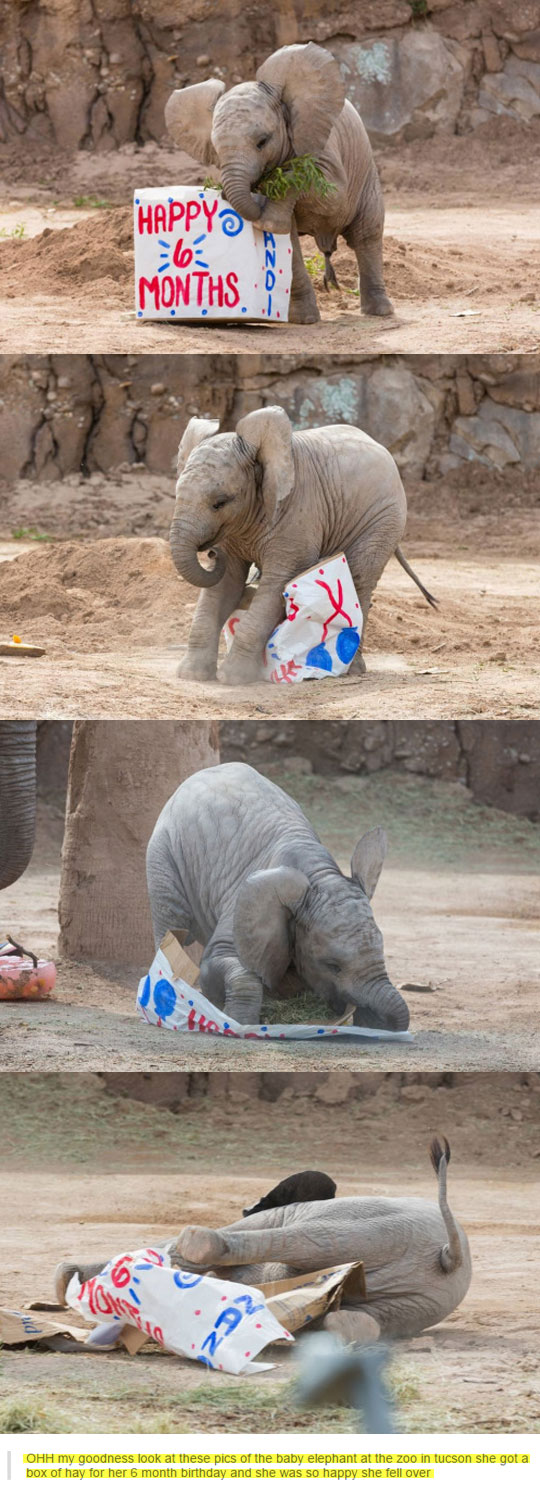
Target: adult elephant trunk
{"type": "Point", "coordinates": [382, 1007]}
{"type": "Point", "coordinates": [17, 797]}
{"type": "Point", "coordinates": [236, 185]}
{"type": "Point", "coordinates": [184, 550]}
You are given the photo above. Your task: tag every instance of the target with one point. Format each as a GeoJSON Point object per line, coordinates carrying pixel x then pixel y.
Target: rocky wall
{"type": "Point", "coordinates": [95, 74]}
{"type": "Point", "coordinates": [62, 414]}
{"type": "Point", "coordinates": [498, 763]}
{"type": "Point", "coordinates": [179, 1092]}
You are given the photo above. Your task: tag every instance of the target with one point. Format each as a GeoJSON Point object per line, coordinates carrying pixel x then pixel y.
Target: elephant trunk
{"type": "Point", "coordinates": [382, 1007]}
{"type": "Point", "coordinates": [184, 549]}
{"type": "Point", "coordinates": [17, 797]}
{"type": "Point", "coordinates": [237, 190]}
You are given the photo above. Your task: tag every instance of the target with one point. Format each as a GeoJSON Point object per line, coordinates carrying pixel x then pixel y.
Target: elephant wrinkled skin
{"type": "Point", "coordinates": [234, 864]}
{"type": "Point", "coordinates": [416, 1257]}
{"type": "Point", "coordinates": [296, 106]}
{"type": "Point", "coordinates": [282, 501]}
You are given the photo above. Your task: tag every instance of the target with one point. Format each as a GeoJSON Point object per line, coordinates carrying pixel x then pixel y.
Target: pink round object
{"type": "Point", "coordinates": [19, 980]}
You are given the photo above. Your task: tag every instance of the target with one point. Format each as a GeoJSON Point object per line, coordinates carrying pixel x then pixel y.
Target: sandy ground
{"type": "Point", "coordinates": [114, 616]}
{"type": "Point", "coordinates": [104, 1174]}
{"type": "Point", "coordinates": [457, 904]}
{"type": "Point", "coordinates": [462, 254]}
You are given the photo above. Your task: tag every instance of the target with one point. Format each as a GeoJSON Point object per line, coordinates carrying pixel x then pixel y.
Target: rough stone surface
{"type": "Point", "coordinates": [63, 415]}
{"type": "Point", "coordinates": [498, 435]}
{"type": "Point", "coordinates": [514, 91]}
{"type": "Point", "coordinates": [95, 75]}
{"type": "Point", "coordinates": [404, 88]}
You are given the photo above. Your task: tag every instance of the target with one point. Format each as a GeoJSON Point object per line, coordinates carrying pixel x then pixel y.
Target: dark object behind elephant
{"type": "Point", "coordinates": [300, 1187]}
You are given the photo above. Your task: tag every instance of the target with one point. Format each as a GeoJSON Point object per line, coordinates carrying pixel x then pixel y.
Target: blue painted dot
{"type": "Point", "coordinates": [347, 644]}
{"type": "Point", "coordinates": [320, 1031]}
{"type": "Point", "coordinates": [201, 195]}
{"type": "Point", "coordinates": [170, 200]}
{"type": "Point", "coordinates": [164, 998]}
{"type": "Point", "coordinates": [190, 1002]}
{"type": "Point", "coordinates": [319, 657]}
{"type": "Point", "coordinates": [204, 312]}
{"type": "Point", "coordinates": [139, 314]}
{"type": "Point", "coordinates": [137, 200]}
{"type": "Point", "coordinates": [264, 1028]}
{"type": "Point", "coordinates": [243, 309]}
{"type": "Point", "coordinates": [173, 312]}
{"type": "Point", "coordinates": [226, 1026]}
{"type": "Point", "coordinates": [145, 996]}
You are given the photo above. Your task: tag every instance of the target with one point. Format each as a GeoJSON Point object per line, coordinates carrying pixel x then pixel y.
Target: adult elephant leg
{"type": "Point", "coordinates": [17, 797]}
{"type": "Point", "coordinates": [365, 236]}
{"type": "Point", "coordinates": [244, 660]}
{"type": "Point", "coordinates": [213, 608]}
{"type": "Point", "coordinates": [353, 1325]}
{"type": "Point", "coordinates": [303, 304]}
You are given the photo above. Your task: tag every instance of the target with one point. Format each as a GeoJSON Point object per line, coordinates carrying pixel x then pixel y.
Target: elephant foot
{"type": "Point", "coordinates": [200, 1246]}
{"type": "Point", "coordinates": [302, 312]}
{"type": "Point", "coordinates": [191, 670]}
{"type": "Point", "coordinates": [353, 1326]}
{"type": "Point", "coordinates": [358, 666]}
{"type": "Point", "coordinates": [236, 672]}
{"type": "Point", "coordinates": [376, 305]}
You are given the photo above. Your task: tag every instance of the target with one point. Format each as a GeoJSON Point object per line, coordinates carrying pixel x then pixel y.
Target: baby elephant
{"type": "Point", "coordinates": [295, 106]}
{"type": "Point", "coordinates": [283, 501]}
{"type": "Point", "coordinates": [234, 864]}
{"type": "Point", "coordinates": [416, 1257]}
{"type": "Point", "coordinates": [302, 1187]}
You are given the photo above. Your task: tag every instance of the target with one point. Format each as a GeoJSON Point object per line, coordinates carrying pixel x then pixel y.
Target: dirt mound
{"type": "Point", "coordinates": [99, 249]}
{"type": "Point", "coordinates": [89, 596]}
{"type": "Point", "coordinates": [96, 258]}
{"type": "Point", "coordinates": [98, 595]}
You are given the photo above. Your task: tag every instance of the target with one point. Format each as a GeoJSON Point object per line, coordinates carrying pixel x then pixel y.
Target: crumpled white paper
{"type": "Point", "coordinates": [221, 1324]}
{"type": "Point", "coordinates": [175, 1005]}
{"type": "Point", "coordinates": [323, 627]}
{"type": "Point", "coordinates": [195, 257]}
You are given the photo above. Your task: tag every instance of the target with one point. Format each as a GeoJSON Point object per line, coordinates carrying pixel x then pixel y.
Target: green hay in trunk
{"type": "Point", "coordinates": [300, 175]}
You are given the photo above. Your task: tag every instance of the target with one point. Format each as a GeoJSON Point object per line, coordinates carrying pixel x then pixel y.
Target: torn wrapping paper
{"type": "Point", "coordinates": [222, 1324]}
{"type": "Point", "coordinates": [300, 1299]}
{"type": "Point", "coordinates": [196, 258]}
{"type": "Point", "coordinates": [323, 627]}
{"type": "Point", "coordinates": [166, 999]}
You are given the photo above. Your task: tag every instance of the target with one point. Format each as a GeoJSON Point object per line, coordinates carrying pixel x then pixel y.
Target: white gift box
{"type": "Point", "coordinates": [222, 1324]}
{"type": "Point", "coordinates": [196, 258]}
{"type": "Point", "coordinates": [323, 627]}
{"type": "Point", "coordinates": [175, 1005]}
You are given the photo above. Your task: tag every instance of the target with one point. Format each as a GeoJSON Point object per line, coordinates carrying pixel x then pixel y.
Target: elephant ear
{"type": "Point", "coordinates": [264, 906]}
{"type": "Point", "coordinates": [368, 859]}
{"type": "Point", "coordinates": [267, 435]}
{"type": "Point", "coordinates": [198, 428]}
{"type": "Point", "coordinates": [188, 117]}
{"type": "Point", "coordinates": [309, 83]}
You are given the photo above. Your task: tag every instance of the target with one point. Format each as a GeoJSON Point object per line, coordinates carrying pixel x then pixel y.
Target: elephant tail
{"type": "Point", "coordinates": [451, 1256]}
{"type": "Point", "coordinates": [403, 560]}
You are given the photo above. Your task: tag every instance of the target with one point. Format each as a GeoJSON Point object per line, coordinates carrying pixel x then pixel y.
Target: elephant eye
{"type": "Point", "coordinates": [223, 500]}
{"type": "Point", "coordinates": [263, 142]}
{"type": "Point", "coordinates": [333, 965]}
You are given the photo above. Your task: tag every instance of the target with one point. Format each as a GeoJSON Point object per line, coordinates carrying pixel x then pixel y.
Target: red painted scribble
{"type": "Point", "coordinates": [292, 610]}
{"type": "Point", "coordinates": [233, 622]}
{"type": "Point", "coordinates": [285, 673]}
{"type": "Point", "coordinates": [337, 603]}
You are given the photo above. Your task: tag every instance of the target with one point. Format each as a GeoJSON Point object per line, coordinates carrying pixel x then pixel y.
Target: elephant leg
{"type": "Point", "coordinates": [168, 901]}
{"type": "Point", "coordinates": [214, 606]}
{"type": "Point", "coordinates": [353, 1325]}
{"type": "Point", "coordinates": [243, 662]}
{"type": "Point", "coordinates": [303, 304]}
{"type": "Point", "coordinates": [310, 1243]}
{"type": "Point", "coordinates": [227, 984]}
{"type": "Point", "coordinates": [365, 236]}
